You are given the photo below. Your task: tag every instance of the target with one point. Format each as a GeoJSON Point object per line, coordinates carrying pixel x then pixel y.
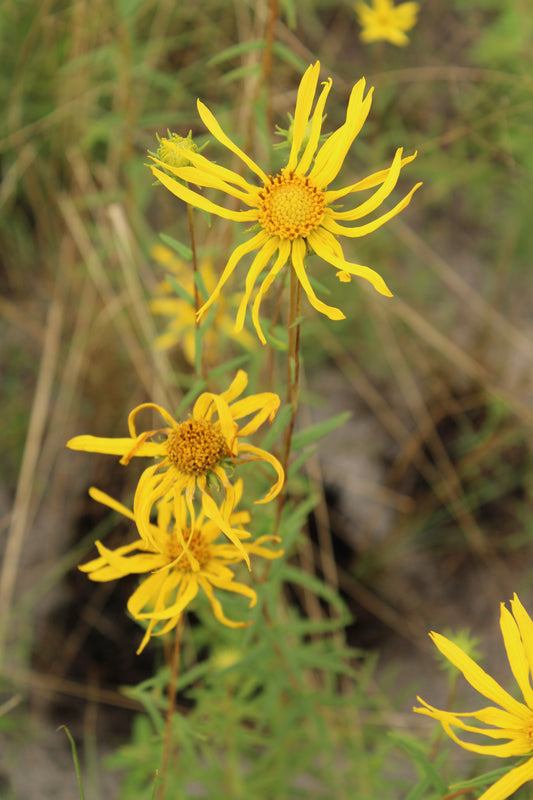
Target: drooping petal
{"type": "Point", "coordinates": [212, 179]}
{"type": "Point", "coordinates": [110, 502]}
{"type": "Point", "coordinates": [132, 565]}
{"type": "Point", "coordinates": [258, 264]}
{"type": "Point", "coordinates": [298, 253]}
{"type": "Point", "coordinates": [199, 201]}
{"type": "Point", "coordinates": [169, 419]}
{"type": "Point", "coordinates": [187, 592]}
{"type": "Point", "coordinates": [213, 512]}
{"type": "Point", "coordinates": [281, 260]}
{"type": "Point", "coordinates": [246, 247]}
{"type": "Point", "coordinates": [321, 242]}
{"type": "Point", "coordinates": [217, 608]}
{"type": "Point", "coordinates": [263, 455]}
{"type": "Point", "coordinates": [204, 165]}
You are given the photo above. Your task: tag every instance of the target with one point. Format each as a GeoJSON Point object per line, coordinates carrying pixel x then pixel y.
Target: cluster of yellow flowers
{"type": "Point", "coordinates": [189, 488]}
{"type": "Point", "coordinates": [196, 459]}
{"type": "Point", "coordinates": [190, 532]}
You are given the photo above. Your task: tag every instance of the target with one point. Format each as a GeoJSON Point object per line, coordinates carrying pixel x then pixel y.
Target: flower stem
{"type": "Point", "coordinates": [172, 692]}
{"type": "Point", "coordinates": [293, 377]}
{"type": "Point", "coordinates": [197, 298]}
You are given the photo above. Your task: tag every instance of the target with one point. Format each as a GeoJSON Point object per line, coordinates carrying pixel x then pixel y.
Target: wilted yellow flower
{"type": "Point", "coordinates": [195, 452]}
{"type": "Point", "coordinates": [511, 721]}
{"type": "Point", "coordinates": [383, 21]}
{"type": "Point", "coordinates": [182, 557]}
{"type": "Point", "coordinates": [181, 325]}
{"type": "Point", "coordinates": [293, 211]}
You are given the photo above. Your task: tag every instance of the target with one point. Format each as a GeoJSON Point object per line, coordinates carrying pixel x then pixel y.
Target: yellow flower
{"type": "Point", "coordinates": [182, 557]}
{"type": "Point", "coordinates": [511, 721]}
{"type": "Point", "coordinates": [385, 21]}
{"type": "Point", "coordinates": [293, 211]}
{"type": "Point", "coordinates": [193, 452]}
{"type": "Point", "coordinates": [181, 326]}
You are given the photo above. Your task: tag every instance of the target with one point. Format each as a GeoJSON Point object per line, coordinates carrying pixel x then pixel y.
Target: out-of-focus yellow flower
{"type": "Point", "coordinates": [511, 721]}
{"type": "Point", "coordinates": [192, 454]}
{"type": "Point", "coordinates": [383, 21]}
{"type": "Point", "coordinates": [293, 211]}
{"type": "Point", "coordinates": [180, 313]}
{"type": "Point", "coordinates": [182, 557]}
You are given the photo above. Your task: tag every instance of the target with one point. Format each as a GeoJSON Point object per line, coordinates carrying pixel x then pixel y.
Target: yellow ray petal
{"type": "Point", "coordinates": [525, 625]}
{"type": "Point", "coordinates": [478, 678]}
{"type": "Point", "coordinates": [263, 405]}
{"type": "Point", "coordinates": [252, 244]}
{"type": "Point", "coordinates": [213, 126]}
{"type": "Point", "coordinates": [516, 654]}
{"type": "Point", "coordinates": [316, 127]}
{"type": "Point", "coordinates": [328, 222]}
{"type": "Point", "coordinates": [281, 260]}
{"type": "Point", "coordinates": [508, 784]}
{"type": "Point", "coordinates": [260, 261]}
{"type": "Point", "coordinates": [197, 200]}
{"type": "Point", "coordinates": [217, 609]}
{"type": "Point", "coordinates": [321, 243]}
{"type": "Point", "coordinates": [379, 195]}
{"type": "Point", "coordinates": [114, 447]}
{"type": "Point", "coordinates": [366, 183]}
{"type": "Point", "coordinates": [298, 253]}
{"type": "Point", "coordinates": [331, 155]}
{"type": "Point", "coordinates": [304, 102]}
{"type": "Point", "coordinates": [264, 455]}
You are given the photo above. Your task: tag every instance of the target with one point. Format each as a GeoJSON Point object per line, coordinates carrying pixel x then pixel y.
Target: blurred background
{"type": "Point", "coordinates": [426, 492]}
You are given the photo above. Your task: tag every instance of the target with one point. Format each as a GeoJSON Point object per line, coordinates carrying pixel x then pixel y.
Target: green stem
{"type": "Point", "coordinates": [293, 378]}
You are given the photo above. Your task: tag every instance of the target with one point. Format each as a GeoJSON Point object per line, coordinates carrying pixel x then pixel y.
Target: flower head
{"type": "Point", "coordinates": [183, 556]}
{"type": "Point", "coordinates": [174, 150]}
{"type": "Point", "coordinates": [510, 721]}
{"type": "Point", "coordinates": [181, 326]}
{"type": "Point", "coordinates": [385, 21]}
{"type": "Point", "coordinates": [293, 211]}
{"type": "Point", "coordinates": [196, 452]}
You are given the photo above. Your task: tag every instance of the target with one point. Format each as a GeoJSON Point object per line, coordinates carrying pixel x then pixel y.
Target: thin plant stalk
{"type": "Point", "coordinates": [171, 709]}
{"type": "Point", "coordinates": [197, 298]}
{"type": "Point", "coordinates": [293, 377]}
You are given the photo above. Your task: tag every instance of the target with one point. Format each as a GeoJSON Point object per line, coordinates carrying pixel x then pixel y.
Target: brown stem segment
{"type": "Point", "coordinates": [172, 693]}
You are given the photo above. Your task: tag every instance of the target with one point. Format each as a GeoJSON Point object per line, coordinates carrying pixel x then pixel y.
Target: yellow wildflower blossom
{"type": "Point", "coordinates": [293, 211]}
{"type": "Point", "coordinates": [383, 21]}
{"type": "Point", "coordinates": [193, 452]}
{"type": "Point", "coordinates": [511, 721]}
{"type": "Point", "coordinates": [182, 557]}
{"type": "Point", "coordinates": [181, 325]}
